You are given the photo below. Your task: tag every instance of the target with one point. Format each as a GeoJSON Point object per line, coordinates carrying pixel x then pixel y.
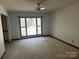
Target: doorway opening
{"type": "Point", "coordinates": [30, 26]}
{"type": "Point", "coordinates": [5, 28]}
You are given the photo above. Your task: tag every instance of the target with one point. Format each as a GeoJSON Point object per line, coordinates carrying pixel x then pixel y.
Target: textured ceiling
{"type": "Point", "coordinates": [28, 5]}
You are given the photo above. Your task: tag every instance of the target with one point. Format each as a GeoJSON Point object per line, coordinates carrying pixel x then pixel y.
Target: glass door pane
{"type": "Point", "coordinates": [22, 22]}
{"type": "Point", "coordinates": [23, 31]}
{"type": "Point", "coordinates": [38, 21]}
{"type": "Point", "coordinates": [31, 26]}
{"type": "Point", "coordinates": [22, 27]}
{"type": "Point", "coordinates": [39, 30]}
{"type": "Point", "coordinates": [39, 26]}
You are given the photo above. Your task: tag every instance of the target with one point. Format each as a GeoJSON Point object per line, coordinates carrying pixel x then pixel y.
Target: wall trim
{"type": "Point", "coordinates": [64, 42]}
{"type": "Point", "coordinates": [3, 55]}
{"type": "Point", "coordinates": [31, 37]}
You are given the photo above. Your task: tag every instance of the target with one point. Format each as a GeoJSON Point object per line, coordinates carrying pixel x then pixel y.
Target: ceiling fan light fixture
{"type": "Point", "coordinates": [38, 4]}
{"type": "Point", "coordinates": [39, 7]}
{"type": "Point", "coordinates": [42, 8]}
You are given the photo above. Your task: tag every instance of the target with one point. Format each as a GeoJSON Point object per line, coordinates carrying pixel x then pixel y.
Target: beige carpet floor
{"type": "Point", "coordinates": [40, 48]}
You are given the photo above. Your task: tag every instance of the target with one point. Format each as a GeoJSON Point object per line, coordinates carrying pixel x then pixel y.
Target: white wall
{"type": "Point", "coordinates": [14, 22]}
{"type": "Point", "coordinates": [2, 48]}
{"type": "Point", "coordinates": [65, 24]}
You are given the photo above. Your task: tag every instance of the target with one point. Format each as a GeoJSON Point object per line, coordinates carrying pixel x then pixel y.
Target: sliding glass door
{"type": "Point", "coordinates": [30, 26]}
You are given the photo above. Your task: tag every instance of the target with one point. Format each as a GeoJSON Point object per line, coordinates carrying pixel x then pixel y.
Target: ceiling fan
{"type": "Point", "coordinates": [39, 7]}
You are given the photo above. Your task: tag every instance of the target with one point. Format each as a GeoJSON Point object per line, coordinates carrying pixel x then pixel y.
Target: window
{"type": "Point", "coordinates": [39, 25]}
{"type": "Point", "coordinates": [30, 26]}
{"type": "Point", "coordinates": [22, 26]}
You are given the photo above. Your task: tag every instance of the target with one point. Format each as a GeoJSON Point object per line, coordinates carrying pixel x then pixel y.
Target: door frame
{"type": "Point", "coordinates": [26, 27]}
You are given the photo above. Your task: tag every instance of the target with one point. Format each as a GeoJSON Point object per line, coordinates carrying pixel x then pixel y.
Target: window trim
{"type": "Point", "coordinates": [26, 26]}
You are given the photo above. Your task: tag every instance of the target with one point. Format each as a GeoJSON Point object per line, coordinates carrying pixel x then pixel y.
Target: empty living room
{"type": "Point", "coordinates": [39, 29]}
